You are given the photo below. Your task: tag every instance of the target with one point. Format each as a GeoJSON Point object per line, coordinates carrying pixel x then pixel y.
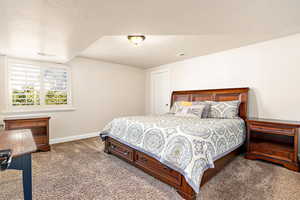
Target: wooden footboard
{"type": "Point", "coordinates": [160, 171]}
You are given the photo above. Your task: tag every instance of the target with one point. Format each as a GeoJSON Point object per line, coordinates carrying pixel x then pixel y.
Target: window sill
{"type": "Point", "coordinates": [43, 110]}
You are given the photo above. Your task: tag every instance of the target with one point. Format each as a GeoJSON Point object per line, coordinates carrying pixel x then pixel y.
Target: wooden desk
{"type": "Point", "coordinates": [22, 144]}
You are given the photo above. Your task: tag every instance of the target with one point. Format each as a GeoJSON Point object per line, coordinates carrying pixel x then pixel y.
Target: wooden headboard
{"type": "Point", "coordinates": [229, 94]}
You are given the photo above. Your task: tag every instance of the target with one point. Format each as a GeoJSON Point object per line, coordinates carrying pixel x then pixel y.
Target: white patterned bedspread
{"type": "Point", "coordinates": [188, 145]}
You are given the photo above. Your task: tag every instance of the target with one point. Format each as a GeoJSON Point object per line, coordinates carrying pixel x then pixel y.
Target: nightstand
{"type": "Point", "coordinates": [273, 140]}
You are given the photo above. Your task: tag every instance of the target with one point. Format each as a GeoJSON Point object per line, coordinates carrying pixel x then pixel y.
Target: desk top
{"type": "Point", "coordinates": [19, 141]}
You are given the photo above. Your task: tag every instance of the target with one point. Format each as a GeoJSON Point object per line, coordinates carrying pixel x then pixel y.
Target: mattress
{"type": "Point", "coordinates": [189, 145]}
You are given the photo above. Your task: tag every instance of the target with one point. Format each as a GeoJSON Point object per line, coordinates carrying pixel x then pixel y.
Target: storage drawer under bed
{"type": "Point", "coordinates": [154, 166]}
{"type": "Point", "coordinates": [120, 150]}
{"type": "Point", "coordinates": [144, 162]}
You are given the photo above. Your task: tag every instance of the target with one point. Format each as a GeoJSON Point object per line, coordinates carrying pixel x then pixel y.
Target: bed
{"type": "Point", "coordinates": [183, 152]}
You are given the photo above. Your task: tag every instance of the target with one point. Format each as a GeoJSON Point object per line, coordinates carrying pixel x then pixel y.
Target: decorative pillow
{"type": "Point", "coordinates": [224, 109]}
{"type": "Point", "coordinates": [186, 103]}
{"type": "Point", "coordinates": [190, 111]}
{"type": "Point", "coordinates": [179, 104]}
{"type": "Point", "coordinates": [206, 109]}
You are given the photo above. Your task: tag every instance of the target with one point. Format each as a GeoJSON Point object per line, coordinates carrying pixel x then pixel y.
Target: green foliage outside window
{"type": "Point", "coordinates": [30, 97]}
{"type": "Point", "coordinates": [56, 98]}
{"type": "Point", "coordinates": [26, 97]}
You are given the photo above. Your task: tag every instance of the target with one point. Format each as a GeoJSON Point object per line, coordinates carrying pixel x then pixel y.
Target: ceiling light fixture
{"type": "Point", "coordinates": [181, 54]}
{"type": "Point", "coordinates": [45, 54]}
{"type": "Point", "coordinates": [136, 39]}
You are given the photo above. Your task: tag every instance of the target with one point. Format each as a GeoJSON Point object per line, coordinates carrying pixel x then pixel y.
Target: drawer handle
{"type": "Point", "coordinates": [144, 159]}
{"type": "Point", "coordinates": [167, 168]}
{"type": "Point", "coordinates": [126, 153]}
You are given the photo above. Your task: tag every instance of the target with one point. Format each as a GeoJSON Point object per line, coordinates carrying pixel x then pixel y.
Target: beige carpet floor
{"type": "Point", "coordinates": [81, 170]}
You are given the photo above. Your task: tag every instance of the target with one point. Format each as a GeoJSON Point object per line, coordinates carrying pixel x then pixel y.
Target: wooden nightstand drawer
{"type": "Point", "coordinates": [283, 152]}
{"type": "Point", "coordinates": [26, 124]}
{"type": "Point", "coordinates": [272, 130]}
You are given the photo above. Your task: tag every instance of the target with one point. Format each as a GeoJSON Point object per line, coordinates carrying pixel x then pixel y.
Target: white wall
{"type": "Point", "coordinates": [101, 91]}
{"type": "Point", "coordinates": [271, 69]}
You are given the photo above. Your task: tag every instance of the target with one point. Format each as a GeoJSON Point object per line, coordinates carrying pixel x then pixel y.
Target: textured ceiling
{"type": "Point", "coordinates": [67, 28]}
{"type": "Point", "coordinates": [163, 49]}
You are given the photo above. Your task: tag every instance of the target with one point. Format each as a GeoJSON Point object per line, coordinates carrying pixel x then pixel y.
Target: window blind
{"type": "Point", "coordinates": [25, 85]}
{"type": "Point", "coordinates": [56, 86]}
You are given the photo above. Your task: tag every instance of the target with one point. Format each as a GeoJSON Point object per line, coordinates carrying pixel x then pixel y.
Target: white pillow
{"type": "Point", "coordinates": [190, 111]}
{"type": "Point", "coordinates": [224, 109]}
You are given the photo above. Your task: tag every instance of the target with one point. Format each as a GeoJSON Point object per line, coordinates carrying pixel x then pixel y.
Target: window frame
{"type": "Point", "coordinates": [42, 107]}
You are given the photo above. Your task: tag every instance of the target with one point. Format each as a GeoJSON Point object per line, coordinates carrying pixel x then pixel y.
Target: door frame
{"type": "Point", "coordinates": [152, 86]}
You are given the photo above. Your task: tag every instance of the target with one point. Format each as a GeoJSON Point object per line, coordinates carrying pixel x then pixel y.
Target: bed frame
{"type": "Point", "coordinates": [160, 171]}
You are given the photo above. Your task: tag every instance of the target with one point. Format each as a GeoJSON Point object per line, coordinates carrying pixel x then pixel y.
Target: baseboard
{"type": "Point", "coordinates": [73, 138]}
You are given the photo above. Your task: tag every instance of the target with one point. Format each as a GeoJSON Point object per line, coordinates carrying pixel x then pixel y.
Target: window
{"type": "Point", "coordinates": [38, 85]}
{"type": "Point", "coordinates": [56, 86]}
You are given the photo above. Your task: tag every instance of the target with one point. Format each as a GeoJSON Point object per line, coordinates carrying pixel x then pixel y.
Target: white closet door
{"type": "Point", "coordinates": [160, 92]}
